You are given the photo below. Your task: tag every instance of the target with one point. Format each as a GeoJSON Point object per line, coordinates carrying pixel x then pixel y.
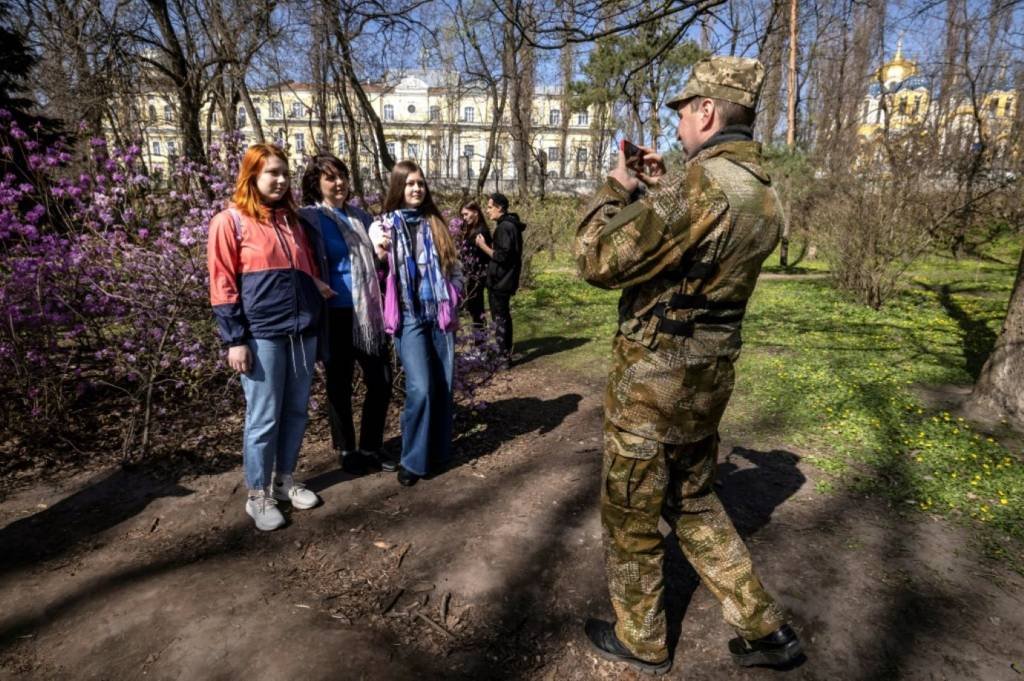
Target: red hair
{"type": "Point", "coordinates": [247, 197]}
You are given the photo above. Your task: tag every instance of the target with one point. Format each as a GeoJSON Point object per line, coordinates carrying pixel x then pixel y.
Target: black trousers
{"type": "Point", "coordinates": [501, 314]}
{"type": "Point", "coordinates": [340, 369]}
{"type": "Point", "coordinates": [474, 301]}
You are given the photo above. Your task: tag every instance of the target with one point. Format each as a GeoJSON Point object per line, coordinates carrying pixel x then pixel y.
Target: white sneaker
{"type": "Point", "coordinates": [286, 489]}
{"type": "Point", "coordinates": [262, 507]}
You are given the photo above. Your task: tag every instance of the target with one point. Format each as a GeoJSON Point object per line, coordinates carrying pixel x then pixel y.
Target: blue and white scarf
{"type": "Point", "coordinates": [423, 274]}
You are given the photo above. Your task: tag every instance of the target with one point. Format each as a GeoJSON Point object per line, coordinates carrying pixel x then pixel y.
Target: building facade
{"type": "Point", "coordinates": [901, 94]}
{"type": "Point", "coordinates": [444, 126]}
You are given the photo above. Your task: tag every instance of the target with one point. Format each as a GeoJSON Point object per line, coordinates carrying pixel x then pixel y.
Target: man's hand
{"type": "Point", "coordinates": [647, 168]}
{"type": "Point", "coordinates": [239, 358]}
{"type": "Point", "coordinates": [622, 175]}
{"type": "Point", "coordinates": [650, 168]}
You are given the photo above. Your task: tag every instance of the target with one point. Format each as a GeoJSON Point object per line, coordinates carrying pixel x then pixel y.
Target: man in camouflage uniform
{"type": "Point", "coordinates": [686, 255]}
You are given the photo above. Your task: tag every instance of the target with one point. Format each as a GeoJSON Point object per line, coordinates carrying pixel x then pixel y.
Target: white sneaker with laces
{"type": "Point", "coordinates": [262, 507]}
{"type": "Point", "coordinates": [286, 489]}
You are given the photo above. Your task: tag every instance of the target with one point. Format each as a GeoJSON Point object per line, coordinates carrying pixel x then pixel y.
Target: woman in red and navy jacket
{"type": "Point", "coordinates": [268, 299]}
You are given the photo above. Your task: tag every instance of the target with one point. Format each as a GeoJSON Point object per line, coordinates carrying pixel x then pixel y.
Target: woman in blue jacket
{"type": "Point", "coordinates": [355, 322]}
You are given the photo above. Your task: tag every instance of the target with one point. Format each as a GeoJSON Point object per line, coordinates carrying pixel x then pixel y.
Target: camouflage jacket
{"type": "Point", "coordinates": [687, 257]}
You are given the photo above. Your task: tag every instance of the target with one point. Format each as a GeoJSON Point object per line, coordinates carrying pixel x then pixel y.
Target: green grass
{"type": "Point", "coordinates": [841, 382]}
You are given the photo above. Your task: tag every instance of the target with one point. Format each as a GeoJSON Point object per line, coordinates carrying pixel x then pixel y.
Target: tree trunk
{"type": "Point", "coordinates": [187, 82]}
{"type": "Point", "coordinates": [791, 87]}
{"type": "Point", "coordinates": [1000, 385]}
{"type": "Point", "coordinates": [250, 108]}
{"type": "Point", "coordinates": [520, 66]}
{"type": "Point", "coordinates": [566, 63]}
{"type": "Point", "coordinates": [498, 99]}
{"type": "Point", "coordinates": [365, 105]}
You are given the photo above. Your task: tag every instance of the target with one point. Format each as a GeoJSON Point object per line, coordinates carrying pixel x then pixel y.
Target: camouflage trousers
{"type": "Point", "coordinates": [643, 481]}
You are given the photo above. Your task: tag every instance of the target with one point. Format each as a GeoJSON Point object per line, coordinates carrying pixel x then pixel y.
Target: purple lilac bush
{"type": "Point", "coordinates": [478, 355]}
{"type": "Point", "coordinates": [104, 285]}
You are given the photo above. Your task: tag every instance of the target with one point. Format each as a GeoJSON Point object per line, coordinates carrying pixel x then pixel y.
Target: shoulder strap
{"type": "Point", "coordinates": [236, 218]}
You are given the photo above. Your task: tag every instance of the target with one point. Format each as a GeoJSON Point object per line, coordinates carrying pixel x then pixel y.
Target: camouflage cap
{"type": "Point", "coordinates": [734, 79]}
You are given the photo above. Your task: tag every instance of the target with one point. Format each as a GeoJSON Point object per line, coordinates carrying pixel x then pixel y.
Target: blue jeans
{"type": "Point", "coordinates": [276, 405]}
{"type": "Point", "coordinates": [428, 357]}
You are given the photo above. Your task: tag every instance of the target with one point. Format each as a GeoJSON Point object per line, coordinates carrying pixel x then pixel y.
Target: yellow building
{"type": "Point", "coordinates": [444, 126]}
{"type": "Point", "coordinates": [899, 90]}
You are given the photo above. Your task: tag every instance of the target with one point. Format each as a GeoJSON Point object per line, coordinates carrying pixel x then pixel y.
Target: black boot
{"type": "Point", "coordinates": [357, 463]}
{"type": "Point", "coordinates": [607, 645]}
{"type": "Point", "coordinates": [406, 478]}
{"type": "Point", "coordinates": [777, 649]}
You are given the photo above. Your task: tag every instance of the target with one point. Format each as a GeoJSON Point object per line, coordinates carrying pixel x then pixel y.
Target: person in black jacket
{"type": "Point", "coordinates": [506, 264]}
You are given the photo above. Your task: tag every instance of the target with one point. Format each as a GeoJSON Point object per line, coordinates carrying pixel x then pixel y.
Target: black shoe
{"type": "Point", "coordinates": [777, 649]}
{"type": "Point", "coordinates": [406, 478]}
{"type": "Point", "coordinates": [386, 464]}
{"type": "Point", "coordinates": [357, 463]}
{"type": "Point", "coordinates": [607, 645]}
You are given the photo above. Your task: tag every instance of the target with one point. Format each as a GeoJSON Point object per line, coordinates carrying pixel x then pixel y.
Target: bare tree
{"type": "Point", "coordinates": [82, 49]}
{"type": "Point", "coordinates": [482, 58]}
{"type": "Point", "coordinates": [1000, 385]}
{"type": "Point", "coordinates": [551, 29]}
{"type": "Point", "coordinates": [237, 32]}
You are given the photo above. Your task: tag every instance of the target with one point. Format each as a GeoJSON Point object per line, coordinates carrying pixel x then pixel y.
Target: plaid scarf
{"type": "Point", "coordinates": [367, 303]}
{"type": "Point", "coordinates": [420, 273]}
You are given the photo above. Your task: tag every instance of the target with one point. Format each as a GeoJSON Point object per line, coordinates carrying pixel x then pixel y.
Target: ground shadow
{"type": "Point", "coordinates": [751, 485]}
{"type": "Point", "coordinates": [333, 477]}
{"type": "Point", "coordinates": [503, 421]}
{"type": "Point", "coordinates": [108, 501]}
{"type": "Point", "coordinates": [535, 348]}
{"type": "Point", "coordinates": [977, 338]}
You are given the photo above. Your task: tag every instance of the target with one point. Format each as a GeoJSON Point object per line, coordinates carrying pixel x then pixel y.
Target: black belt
{"type": "Point", "coordinates": [698, 270]}
{"type": "Point", "coordinates": [699, 301]}
{"type": "Point", "coordinates": [675, 327]}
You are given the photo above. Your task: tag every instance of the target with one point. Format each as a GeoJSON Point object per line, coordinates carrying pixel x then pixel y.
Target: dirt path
{"type": "Point", "coordinates": [485, 572]}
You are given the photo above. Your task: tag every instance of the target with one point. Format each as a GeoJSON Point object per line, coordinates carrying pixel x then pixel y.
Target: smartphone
{"type": "Point", "coordinates": [631, 151]}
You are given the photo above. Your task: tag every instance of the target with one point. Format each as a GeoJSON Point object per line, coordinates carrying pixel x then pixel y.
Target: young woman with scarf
{"type": "Point", "coordinates": [355, 316]}
{"type": "Point", "coordinates": [267, 297]}
{"type": "Point", "coordinates": [424, 283]}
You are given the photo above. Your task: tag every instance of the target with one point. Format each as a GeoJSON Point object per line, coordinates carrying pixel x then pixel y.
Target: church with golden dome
{"type": "Point", "coordinates": [902, 93]}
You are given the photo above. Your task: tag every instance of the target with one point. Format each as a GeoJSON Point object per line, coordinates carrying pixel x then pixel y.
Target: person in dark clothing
{"type": "Point", "coordinates": [474, 260]}
{"type": "Point", "coordinates": [355, 319]}
{"type": "Point", "coordinates": [506, 264]}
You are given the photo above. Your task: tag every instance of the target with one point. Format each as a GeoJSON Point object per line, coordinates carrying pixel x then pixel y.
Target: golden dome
{"type": "Point", "coordinates": [897, 69]}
